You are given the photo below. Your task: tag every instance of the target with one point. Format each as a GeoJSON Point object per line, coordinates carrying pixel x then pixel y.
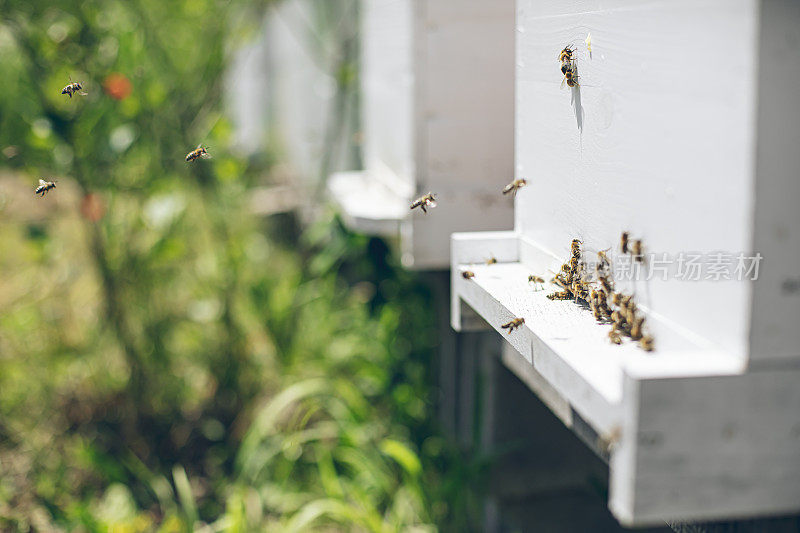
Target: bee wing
{"type": "Point", "coordinates": [42, 182]}
{"type": "Point", "coordinates": [563, 82]}
{"type": "Point", "coordinates": [432, 203]}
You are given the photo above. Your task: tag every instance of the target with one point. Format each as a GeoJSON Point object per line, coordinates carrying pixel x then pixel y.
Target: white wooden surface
{"type": "Point", "coordinates": [708, 448]}
{"type": "Point", "coordinates": [280, 88]}
{"type": "Point", "coordinates": [438, 84]}
{"type": "Point", "coordinates": [387, 93]}
{"type": "Point", "coordinates": [655, 148]}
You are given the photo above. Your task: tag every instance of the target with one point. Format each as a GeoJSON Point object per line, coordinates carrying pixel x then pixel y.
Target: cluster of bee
{"type": "Point", "coordinates": [569, 67]}
{"type": "Point", "coordinates": [76, 87]}
{"type": "Point", "coordinates": [622, 312]}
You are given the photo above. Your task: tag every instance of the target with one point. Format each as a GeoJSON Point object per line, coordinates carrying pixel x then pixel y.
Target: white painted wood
{"type": "Point", "coordinates": [437, 95]}
{"type": "Point", "coordinates": [708, 448]}
{"type": "Point", "coordinates": [774, 331]}
{"type": "Point", "coordinates": [654, 149]}
{"type": "Point", "coordinates": [387, 93]}
{"type": "Point", "coordinates": [281, 88]}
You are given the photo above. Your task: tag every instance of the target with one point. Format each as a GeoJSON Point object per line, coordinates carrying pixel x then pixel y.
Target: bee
{"type": "Point", "coordinates": [636, 250]}
{"type": "Point", "coordinates": [570, 76]}
{"type": "Point", "coordinates": [561, 295]}
{"type": "Point", "coordinates": [199, 152]}
{"type": "Point", "coordinates": [636, 328]}
{"type": "Point", "coordinates": [614, 336]}
{"type": "Point", "coordinates": [491, 261]}
{"type": "Point", "coordinates": [623, 242]}
{"type": "Point", "coordinates": [467, 274]}
{"type": "Point", "coordinates": [44, 186]}
{"type": "Point", "coordinates": [566, 54]}
{"type": "Point", "coordinates": [536, 280]}
{"type": "Point", "coordinates": [602, 298]}
{"type": "Point", "coordinates": [514, 186]}
{"type": "Point", "coordinates": [603, 262]}
{"type": "Point", "coordinates": [575, 248]}
{"type": "Point", "coordinates": [74, 87]}
{"type": "Point", "coordinates": [646, 343]}
{"type": "Point", "coordinates": [513, 324]}
{"type": "Point", "coordinates": [424, 202]}
{"type": "Point", "coordinates": [606, 284]}
{"type": "Point", "coordinates": [596, 310]}
{"type": "Point", "coordinates": [617, 318]}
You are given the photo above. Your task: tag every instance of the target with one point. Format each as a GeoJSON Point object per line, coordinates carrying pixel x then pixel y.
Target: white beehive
{"type": "Point", "coordinates": [437, 114]}
{"type": "Point", "coordinates": [683, 132]}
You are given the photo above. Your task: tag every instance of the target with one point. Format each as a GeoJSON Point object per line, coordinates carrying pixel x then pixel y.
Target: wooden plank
{"type": "Point", "coordinates": [708, 448]}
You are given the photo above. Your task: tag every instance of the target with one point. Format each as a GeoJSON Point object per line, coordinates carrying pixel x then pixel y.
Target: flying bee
{"type": "Point", "coordinates": [467, 274]}
{"type": "Point", "coordinates": [74, 87]}
{"type": "Point", "coordinates": [566, 54]}
{"type": "Point", "coordinates": [491, 261]}
{"type": "Point", "coordinates": [636, 250]}
{"type": "Point", "coordinates": [513, 324]}
{"type": "Point", "coordinates": [536, 280]}
{"type": "Point", "coordinates": [646, 343]}
{"type": "Point", "coordinates": [424, 202]}
{"type": "Point", "coordinates": [623, 242]}
{"type": "Point", "coordinates": [44, 186]}
{"type": "Point", "coordinates": [199, 152]}
{"type": "Point", "coordinates": [636, 328]}
{"type": "Point", "coordinates": [561, 295]}
{"type": "Point", "coordinates": [514, 186]}
{"type": "Point", "coordinates": [614, 336]}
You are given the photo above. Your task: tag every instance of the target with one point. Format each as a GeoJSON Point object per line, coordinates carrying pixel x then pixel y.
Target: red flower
{"type": "Point", "coordinates": [117, 86]}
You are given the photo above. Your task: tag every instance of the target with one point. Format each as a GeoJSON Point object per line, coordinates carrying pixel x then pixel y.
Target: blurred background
{"type": "Point", "coordinates": [204, 346]}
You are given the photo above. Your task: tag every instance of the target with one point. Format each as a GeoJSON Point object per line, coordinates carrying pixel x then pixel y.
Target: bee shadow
{"type": "Point", "coordinates": [576, 103]}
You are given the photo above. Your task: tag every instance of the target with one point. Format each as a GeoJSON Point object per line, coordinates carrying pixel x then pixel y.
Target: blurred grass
{"type": "Point", "coordinates": [168, 361]}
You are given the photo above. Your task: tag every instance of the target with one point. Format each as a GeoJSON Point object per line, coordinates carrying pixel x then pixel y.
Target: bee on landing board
{"type": "Point", "coordinates": [514, 186]}
{"type": "Point", "coordinates": [468, 274]}
{"type": "Point", "coordinates": [561, 295]}
{"type": "Point", "coordinates": [198, 153]}
{"type": "Point", "coordinates": [536, 280]}
{"type": "Point", "coordinates": [513, 324]}
{"type": "Point", "coordinates": [44, 186]}
{"type": "Point", "coordinates": [424, 202]}
{"type": "Point", "coordinates": [646, 343]}
{"type": "Point", "coordinates": [74, 87]}
{"type": "Point", "coordinates": [491, 261]}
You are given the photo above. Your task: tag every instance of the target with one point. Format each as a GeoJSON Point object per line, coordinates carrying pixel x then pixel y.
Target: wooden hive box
{"type": "Point", "coordinates": [683, 132]}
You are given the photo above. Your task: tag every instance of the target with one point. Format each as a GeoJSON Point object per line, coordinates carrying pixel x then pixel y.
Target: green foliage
{"type": "Point", "coordinates": [167, 361]}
